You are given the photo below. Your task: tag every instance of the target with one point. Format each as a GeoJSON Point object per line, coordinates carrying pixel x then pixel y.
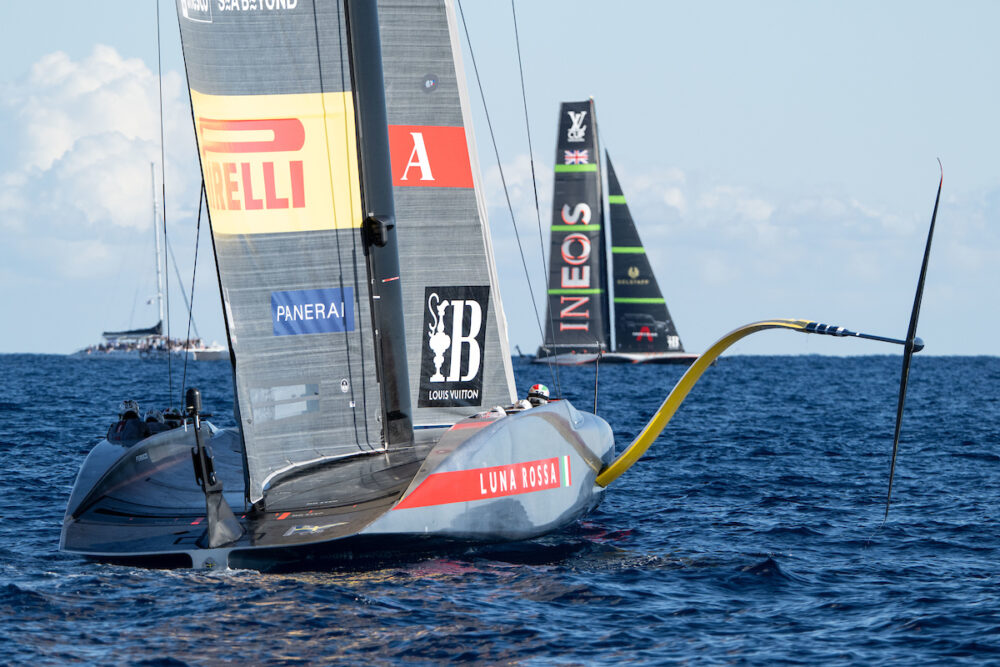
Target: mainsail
{"type": "Point", "coordinates": [642, 321]}
{"type": "Point", "coordinates": [275, 117]}
{"type": "Point", "coordinates": [456, 338]}
{"type": "Point", "coordinates": [578, 317]}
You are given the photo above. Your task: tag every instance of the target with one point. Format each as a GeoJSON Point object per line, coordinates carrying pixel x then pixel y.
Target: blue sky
{"type": "Point", "coordinates": [779, 160]}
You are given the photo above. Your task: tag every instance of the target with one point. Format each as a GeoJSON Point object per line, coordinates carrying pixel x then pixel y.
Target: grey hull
{"type": "Point", "coordinates": [489, 478]}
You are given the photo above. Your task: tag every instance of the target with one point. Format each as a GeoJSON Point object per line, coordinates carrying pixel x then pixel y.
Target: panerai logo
{"type": "Point", "coordinates": [454, 345]}
{"type": "Point", "coordinates": [577, 131]}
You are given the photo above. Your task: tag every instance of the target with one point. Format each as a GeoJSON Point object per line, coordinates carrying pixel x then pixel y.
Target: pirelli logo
{"type": "Point", "coordinates": [231, 182]}
{"type": "Point", "coordinates": [279, 163]}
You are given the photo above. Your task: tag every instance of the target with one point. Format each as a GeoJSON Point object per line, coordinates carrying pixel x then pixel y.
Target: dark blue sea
{"type": "Point", "coordinates": [751, 533]}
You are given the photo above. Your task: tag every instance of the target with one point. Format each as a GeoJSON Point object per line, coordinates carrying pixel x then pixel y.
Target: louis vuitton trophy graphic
{"type": "Point", "coordinates": [439, 340]}
{"type": "Point", "coordinates": [452, 360]}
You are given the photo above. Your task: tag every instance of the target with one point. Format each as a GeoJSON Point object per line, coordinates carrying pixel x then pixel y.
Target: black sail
{"type": "Point", "coordinates": [578, 317]}
{"type": "Point", "coordinates": [275, 119]}
{"type": "Point", "coordinates": [642, 321]}
{"type": "Point", "coordinates": [456, 337]}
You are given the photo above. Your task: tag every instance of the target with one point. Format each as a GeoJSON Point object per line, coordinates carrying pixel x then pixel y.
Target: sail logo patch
{"type": "Point", "coordinates": [312, 311]}
{"type": "Point", "coordinates": [576, 157]}
{"type": "Point", "coordinates": [279, 163]}
{"type": "Point", "coordinates": [459, 486]}
{"type": "Point", "coordinates": [429, 156]}
{"type": "Point", "coordinates": [575, 250]}
{"type": "Point", "coordinates": [196, 10]}
{"type": "Point", "coordinates": [279, 182]}
{"type": "Point", "coordinates": [454, 342]}
{"type": "Point", "coordinates": [577, 131]}
{"type": "Point", "coordinates": [644, 331]}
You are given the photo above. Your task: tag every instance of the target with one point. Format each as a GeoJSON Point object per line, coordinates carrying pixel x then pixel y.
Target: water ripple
{"type": "Point", "coordinates": [751, 533]}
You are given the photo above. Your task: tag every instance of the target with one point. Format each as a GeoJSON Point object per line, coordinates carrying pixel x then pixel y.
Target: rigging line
{"type": "Point", "coordinates": [503, 180]}
{"type": "Point", "coordinates": [341, 32]}
{"type": "Point", "coordinates": [553, 368]}
{"type": "Point", "coordinates": [597, 372]}
{"type": "Point", "coordinates": [131, 316]}
{"type": "Point", "coordinates": [177, 272]}
{"type": "Point", "coordinates": [194, 271]}
{"type": "Point", "coordinates": [163, 203]}
{"type": "Point", "coordinates": [333, 198]}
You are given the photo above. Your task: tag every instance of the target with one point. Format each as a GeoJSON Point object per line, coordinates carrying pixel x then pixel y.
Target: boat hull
{"type": "Point", "coordinates": [208, 354]}
{"type": "Point", "coordinates": [195, 354]}
{"type": "Point", "coordinates": [618, 358]}
{"type": "Point", "coordinates": [487, 479]}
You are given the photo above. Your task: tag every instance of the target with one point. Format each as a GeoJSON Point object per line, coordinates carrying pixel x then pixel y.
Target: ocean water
{"type": "Point", "coordinates": [751, 533]}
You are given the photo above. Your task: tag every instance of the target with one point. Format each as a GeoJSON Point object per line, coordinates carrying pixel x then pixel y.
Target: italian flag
{"type": "Point", "coordinates": [564, 463]}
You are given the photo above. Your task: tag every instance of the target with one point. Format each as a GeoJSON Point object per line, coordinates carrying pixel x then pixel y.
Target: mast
{"type": "Point", "coordinates": [156, 239]}
{"type": "Point", "coordinates": [380, 223]}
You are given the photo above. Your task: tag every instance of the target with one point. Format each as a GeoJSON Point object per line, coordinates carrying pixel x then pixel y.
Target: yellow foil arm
{"type": "Point", "coordinates": [680, 391]}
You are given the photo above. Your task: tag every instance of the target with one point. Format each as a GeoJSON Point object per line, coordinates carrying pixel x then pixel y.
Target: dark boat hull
{"type": "Point", "coordinates": [618, 358]}
{"type": "Point", "coordinates": [487, 479]}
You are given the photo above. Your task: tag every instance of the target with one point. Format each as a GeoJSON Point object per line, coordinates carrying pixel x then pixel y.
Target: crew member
{"type": "Point", "coordinates": [538, 395]}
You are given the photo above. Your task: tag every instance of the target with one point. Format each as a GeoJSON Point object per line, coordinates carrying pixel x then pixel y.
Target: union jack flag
{"type": "Point", "coordinates": [576, 157]}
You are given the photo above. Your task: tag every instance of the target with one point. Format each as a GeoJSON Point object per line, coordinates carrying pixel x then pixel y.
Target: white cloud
{"type": "Point", "coordinates": [517, 175]}
{"type": "Point", "coordinates": [715, 269]}
{"type": "Point", "coordinates": [78, 258]}
{"type": "Point", "coordinates": [88, 132]}
{"type": "Point", "coordinates": [76, 192]}
{"type": "Point", "coordinates": [674, 198]}
{"type": "Point", "coordinates": [62, 101]}
{"type": "Point", "coordinates": [729, 202]}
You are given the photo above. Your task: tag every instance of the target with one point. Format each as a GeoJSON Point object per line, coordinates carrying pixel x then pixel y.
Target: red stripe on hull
{"type": "Point", "coordinates": [461, 486]}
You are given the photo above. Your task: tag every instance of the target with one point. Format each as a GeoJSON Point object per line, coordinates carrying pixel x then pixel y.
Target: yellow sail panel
{"type": "Point", "coordinates": [279, 163]}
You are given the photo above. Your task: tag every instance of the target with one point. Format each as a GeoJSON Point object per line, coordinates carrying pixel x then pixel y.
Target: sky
{"type": "Point", "coordinates": [779, 159]}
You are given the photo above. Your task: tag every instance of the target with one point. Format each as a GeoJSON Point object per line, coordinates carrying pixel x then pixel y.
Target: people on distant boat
{"type": "Point", "coordinates": [152, 346]}
{"type": "Point", "coordinates": [538, 395]}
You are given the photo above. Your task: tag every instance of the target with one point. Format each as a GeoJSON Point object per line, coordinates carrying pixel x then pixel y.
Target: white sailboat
{"type": "Point", "coordinates": [151, 342]}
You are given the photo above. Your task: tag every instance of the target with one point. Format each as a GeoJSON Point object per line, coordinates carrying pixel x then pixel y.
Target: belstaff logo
{"type": "Point", "coordinates": [633, 272]}
{"type": "Point", "coordinates": [454, 337]}
{"type": "Point", "coordinates": [577, 131]}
